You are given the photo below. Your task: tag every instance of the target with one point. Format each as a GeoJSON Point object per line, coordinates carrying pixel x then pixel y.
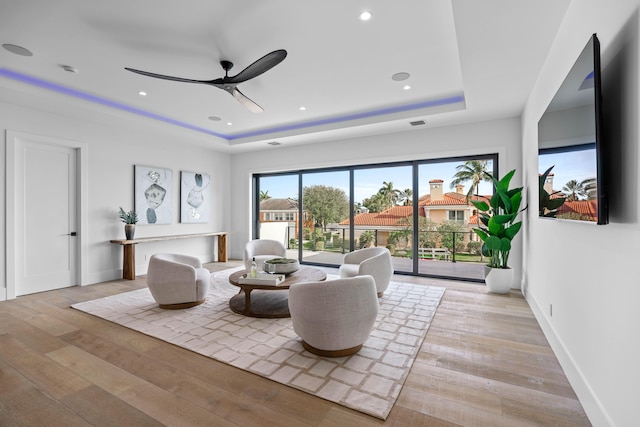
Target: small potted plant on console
{"type": "Point", "coordinates": [130, 219]}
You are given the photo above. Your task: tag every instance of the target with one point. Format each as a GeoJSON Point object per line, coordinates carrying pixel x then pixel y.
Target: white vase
{"type": "Point", "coordinates": [499, 280]}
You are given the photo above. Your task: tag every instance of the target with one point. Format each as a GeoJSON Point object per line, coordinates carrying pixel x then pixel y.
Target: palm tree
{"type": "Point", "coordinates": [474, 171]}
{"type": "Point", "coordinates": [264, 195]}
{"type": "Point", "coordinates": [574, 190]}
{"type": "Point", "coordinates": [390, 194]}
{"type": "Point", "coordinates": [406, 196]}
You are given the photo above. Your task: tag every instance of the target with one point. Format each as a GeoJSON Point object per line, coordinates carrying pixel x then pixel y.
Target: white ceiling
{"type": "Point", "coordinates": [469, 60]}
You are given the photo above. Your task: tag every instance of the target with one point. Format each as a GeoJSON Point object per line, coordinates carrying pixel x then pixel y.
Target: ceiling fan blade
{"type": "Point", "coordinates": [262, 65]}
{"type": "Point", "coordinates": [162, 76]}
{"type": "Point", "coordinates": [249, 104]}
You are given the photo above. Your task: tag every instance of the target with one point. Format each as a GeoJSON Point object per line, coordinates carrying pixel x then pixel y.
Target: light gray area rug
{"type": "Point", "coordinates": [369, 381]}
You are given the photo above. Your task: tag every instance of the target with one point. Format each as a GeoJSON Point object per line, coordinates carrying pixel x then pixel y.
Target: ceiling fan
{"type": "Point", "coordinates": [229, 84]}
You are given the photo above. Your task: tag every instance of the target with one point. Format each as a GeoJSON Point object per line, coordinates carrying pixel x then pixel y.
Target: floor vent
{"type": "Point", "coordinates": [418, 123]}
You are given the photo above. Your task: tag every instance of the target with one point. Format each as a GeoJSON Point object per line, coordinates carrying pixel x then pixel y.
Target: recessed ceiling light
{"type": "Point", "coordinates": [142, 93]}
{"type": "Point", "coordinates": [18, 50]}
{"type": "Point", "coordinates": [398, 77]}
{"type": "Point", "coordinates": [229, 123]}
{"type": "Point", "coordinates": [406, 87]}
{"type": "Point", "coordinates": [214, 118]}
{"type": "Point", "coordinates": [365, 15]}
{"type": "Point", "coordinates": [302, 108]}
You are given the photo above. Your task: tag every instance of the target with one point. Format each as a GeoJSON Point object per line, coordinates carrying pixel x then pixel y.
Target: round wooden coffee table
{"type": "Point", "coordinates": [262, 301]}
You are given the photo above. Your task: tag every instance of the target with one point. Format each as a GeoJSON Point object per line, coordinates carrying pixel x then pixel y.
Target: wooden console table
{"type": "Point", "coordinates": [129, 250]}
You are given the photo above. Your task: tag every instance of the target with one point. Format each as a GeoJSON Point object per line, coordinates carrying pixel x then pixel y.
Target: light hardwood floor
{"type": "Point", "coordinates": [484, 362]}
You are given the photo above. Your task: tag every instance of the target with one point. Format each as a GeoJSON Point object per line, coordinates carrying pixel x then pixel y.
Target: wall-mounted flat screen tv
{"type": "Point", "coordinates": [571, 154]}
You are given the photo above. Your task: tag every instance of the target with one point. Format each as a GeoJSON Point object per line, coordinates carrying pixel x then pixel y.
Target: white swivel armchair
{"type": "Point", "coordinates": [335, 317]}
{"type": "Point", "coordinates": [177, 281]}
{"type": "Point", "coordinates": [262, 250]}
{"type": "Point", "coordinates": [374, 261]}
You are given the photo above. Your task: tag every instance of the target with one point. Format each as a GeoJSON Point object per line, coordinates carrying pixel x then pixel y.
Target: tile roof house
{"type": "Point", "coordinates": [436, 206]}
{"type": "Point", "coordinates": [586, 210]}
{"type": "Point", "coordinates": [281, 210]}
{"type": "Point", "coordinates": [277, 207]}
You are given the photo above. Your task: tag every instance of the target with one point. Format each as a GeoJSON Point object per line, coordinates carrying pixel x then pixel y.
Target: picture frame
{"type": "Point", "coordinates": [195, 205]}
{"type": "Point", "coordinates": [153, 192]}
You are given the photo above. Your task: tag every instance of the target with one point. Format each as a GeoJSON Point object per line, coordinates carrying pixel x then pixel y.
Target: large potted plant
{"type": "Point", "coordinates": [497, 228]}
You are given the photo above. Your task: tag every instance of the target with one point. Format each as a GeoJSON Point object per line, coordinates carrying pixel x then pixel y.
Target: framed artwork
{"type": "Point", "coordinates": [153, 189]}
{"type": "Point", "coordinates": [195, 206]}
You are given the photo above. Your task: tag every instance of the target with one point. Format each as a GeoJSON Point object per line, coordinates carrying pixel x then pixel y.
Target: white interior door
{"type": "Point", "coordinates": [45, 217]}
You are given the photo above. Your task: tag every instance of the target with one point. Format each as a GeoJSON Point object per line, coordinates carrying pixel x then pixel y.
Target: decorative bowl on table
{"type": "Point", "coordinates": [281, 265]}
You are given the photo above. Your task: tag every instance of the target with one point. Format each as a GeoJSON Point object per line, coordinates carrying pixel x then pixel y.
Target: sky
{"type": "Point", "coordinates": [578, 165]}
{"type": "Point", "coordinates": [367, 182]}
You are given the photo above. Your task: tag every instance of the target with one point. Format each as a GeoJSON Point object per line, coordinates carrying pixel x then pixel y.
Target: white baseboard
{"type": "Point", "coordinates": [103, 276]}
{"type": "Point", "coordinates": [590, 402]}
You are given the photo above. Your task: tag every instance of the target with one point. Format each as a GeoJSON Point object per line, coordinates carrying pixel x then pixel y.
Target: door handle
{"type": "Point", "coordinates": [72, 234]}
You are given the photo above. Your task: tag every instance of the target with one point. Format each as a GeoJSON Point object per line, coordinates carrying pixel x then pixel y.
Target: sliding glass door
{"type": "Point", "coordinates": [420, 210]}
{"type": "Point", "coordinates": [447, 245]}
{"type": "Point", "coordinates": [278, 213]}
{"type": "Point", "coordinates": [384, 211]}
{"type": "Point", "coordinates": [325, 203]}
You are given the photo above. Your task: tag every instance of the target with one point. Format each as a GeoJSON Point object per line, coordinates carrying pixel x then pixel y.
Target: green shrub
{"type": "Point", "coordinates": [474, 247]}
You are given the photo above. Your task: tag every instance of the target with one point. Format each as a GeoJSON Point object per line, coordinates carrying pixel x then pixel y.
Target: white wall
{"type": "Point", "coordinates": [588, 272]}
{"type": "Point", "coordinates": [501, 136]}
{"type": "Point", "coordinates": [113, 149]}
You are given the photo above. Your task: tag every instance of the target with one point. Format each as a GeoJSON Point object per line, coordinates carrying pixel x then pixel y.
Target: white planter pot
{"type": "Point", "coordinates": [498, 280]}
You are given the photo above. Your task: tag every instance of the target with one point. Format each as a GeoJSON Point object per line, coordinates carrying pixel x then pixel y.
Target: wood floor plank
{"type": "Point", "coordinates": [476, 392]}
{"type": "Point", "coordinates": [246, 387]}
{"type": "Point", "coordinates": [457, 412]}
{"type": "Point", "coordinates": [497, 357]}
{"type": "Point", "coordinates": [107, 330]}
{"type": "Point", "coordinates": [170, 409]}
{"type": "Point", "coordinates": [29, 406]}
{"type": "Point", "coordinates": [165, 373]}
{"type": "Point", "coordinates": [51, 325]}
{"type": "Point", "coordinates": [46, 374]}
{"type": "Point", "coordinates": [32, 336]}
{"type": "Point", "coordinates": [93, 403]}
{"type": "Point", "coordinates": [95, 370]}
{"type": "Point", "coordinates": [484, 362]}
{"type": "Point", "coordinates": [23, 403]}
{"type": "Point", "coordinates": [564, 415]}
{"type": "Point", "coordinates": [483, 393]}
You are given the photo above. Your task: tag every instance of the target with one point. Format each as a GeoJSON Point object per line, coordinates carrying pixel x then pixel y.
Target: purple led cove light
{"type": "Point", "coordinates": [355, 116]}
{"type": "Point", "coordinates": [302, 125]}
{"type": "Point", "coordinates": [98, 100]}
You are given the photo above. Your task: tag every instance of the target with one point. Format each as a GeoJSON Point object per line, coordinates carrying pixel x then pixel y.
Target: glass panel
{"type": "Point", "coordinates": [383, 212]}
{"type": "Point", "coordinates": [325, 201]}
{"type": "Point", "coordinates": [447, 245]}
{"type": "Point", "coordinates": [278, 210]}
